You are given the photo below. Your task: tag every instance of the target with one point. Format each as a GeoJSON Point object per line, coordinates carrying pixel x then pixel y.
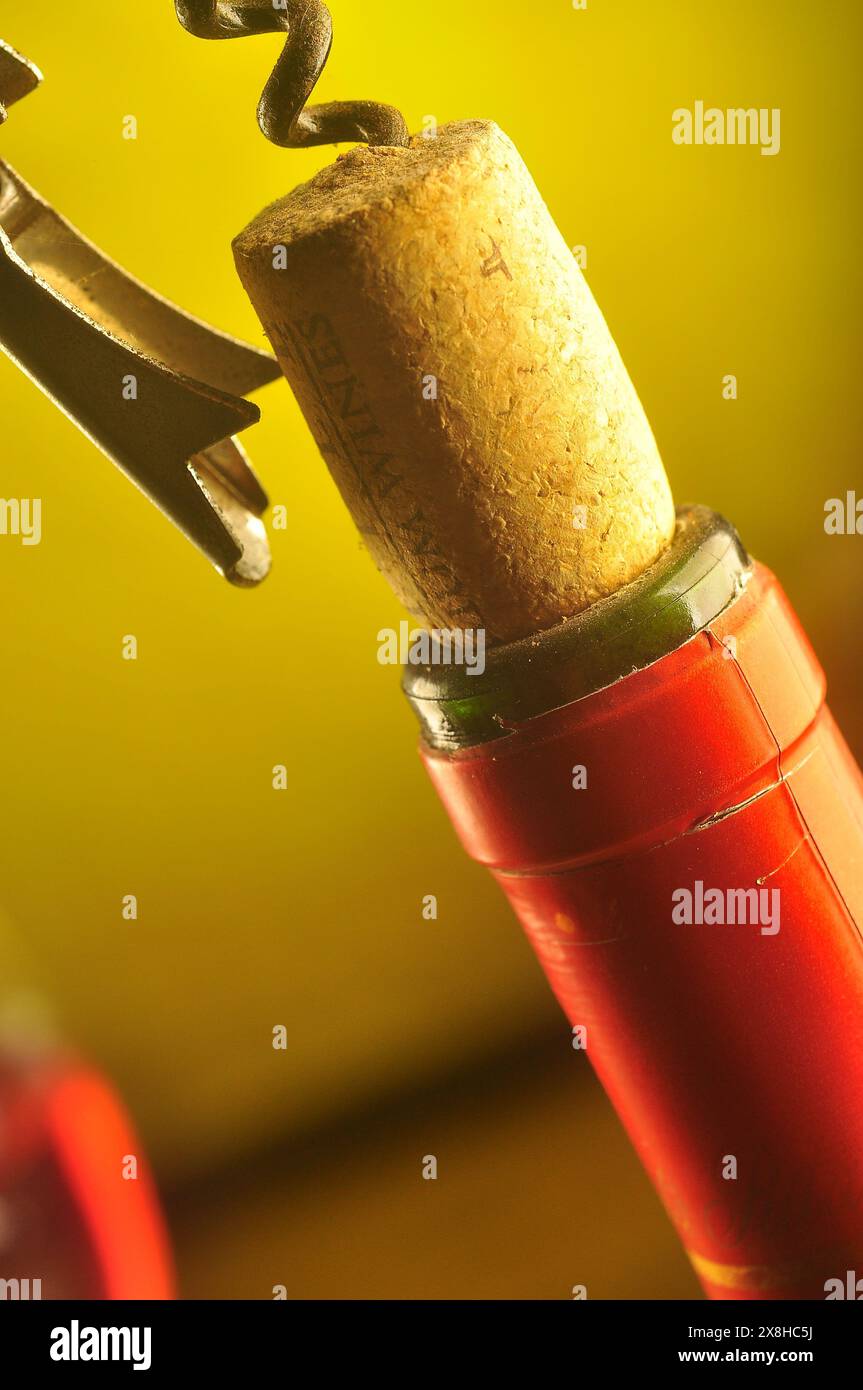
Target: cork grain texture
{"type": "Point", "coordinates": [460, 382]}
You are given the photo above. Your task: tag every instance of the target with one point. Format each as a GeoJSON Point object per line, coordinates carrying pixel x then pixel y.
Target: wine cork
{"type": "Point", "coordinates": [460, 381]}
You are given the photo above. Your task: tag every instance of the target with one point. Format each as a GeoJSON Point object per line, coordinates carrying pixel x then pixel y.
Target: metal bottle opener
{"type": "Point", "coordinates": [158, 391]}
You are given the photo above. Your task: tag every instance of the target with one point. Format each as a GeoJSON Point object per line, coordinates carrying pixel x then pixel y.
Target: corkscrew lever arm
{"type": "Point", "coordinates": [157, 390]}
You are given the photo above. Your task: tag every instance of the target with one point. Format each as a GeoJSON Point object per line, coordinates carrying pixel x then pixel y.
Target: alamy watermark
{"type": "Point", "coordinates": [710, 125]}
{"type": "Point", "coordinates": [20, 1290]}
{"type": "Point", "coordinates": [435, 646]}
{"type": "Point", "coordinates": [848, 1288]}
{"type": "Point", "coordinates": [700, 906]}
{"type": "Point", "coordinates": [77, 1343]}
{"type": "Point", "coordinates": [843, 516]}
{"type": "Point", "coordinates": [21, 517]}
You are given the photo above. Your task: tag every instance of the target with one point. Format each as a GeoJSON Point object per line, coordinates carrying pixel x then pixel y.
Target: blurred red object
{"type": "Point", "coordinates": [79, 1214]}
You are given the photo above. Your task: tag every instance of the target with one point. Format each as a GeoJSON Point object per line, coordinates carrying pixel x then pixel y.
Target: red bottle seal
{"type": "Point", "coordinates": [684, 848]}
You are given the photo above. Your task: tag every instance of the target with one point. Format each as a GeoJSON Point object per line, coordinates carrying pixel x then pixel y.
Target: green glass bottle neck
{"type": "Point", "coordinates": [703, 569]}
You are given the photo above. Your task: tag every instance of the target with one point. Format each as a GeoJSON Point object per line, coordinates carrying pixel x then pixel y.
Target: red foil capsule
{"type": "Point", "coordinates": [732, 1050]}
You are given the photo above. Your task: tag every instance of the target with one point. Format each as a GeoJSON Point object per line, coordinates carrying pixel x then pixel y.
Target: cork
{"type": "Point", "coordinates": [460, 382]}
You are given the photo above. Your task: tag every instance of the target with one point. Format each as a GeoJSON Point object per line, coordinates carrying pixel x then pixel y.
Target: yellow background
{"type": "Point", "coordinates": [153, 777]}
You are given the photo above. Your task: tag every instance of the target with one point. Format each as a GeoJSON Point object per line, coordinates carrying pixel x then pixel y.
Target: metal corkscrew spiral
{"type": "Point", "coordinates": [283, 114]}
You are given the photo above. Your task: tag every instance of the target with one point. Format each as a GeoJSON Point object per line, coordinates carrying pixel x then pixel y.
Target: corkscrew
{"type": "Point", "coordinates": [283, 113]}
{"type": "Point", "coordinates": [158, 391]}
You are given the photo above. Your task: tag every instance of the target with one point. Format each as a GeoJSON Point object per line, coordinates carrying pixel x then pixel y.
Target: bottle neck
{"type": "Point", "coordinates": [703, 569]}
